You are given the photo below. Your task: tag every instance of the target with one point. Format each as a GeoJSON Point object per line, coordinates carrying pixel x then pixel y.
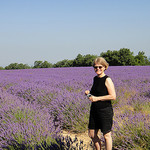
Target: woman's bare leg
{"type": "Point", "coordinates": [93, 135]}
{"type": "Point", "coordinates": [108, 141]}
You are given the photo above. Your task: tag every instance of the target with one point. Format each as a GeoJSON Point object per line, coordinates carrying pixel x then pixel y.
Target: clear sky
{"type": "Point", "coordinates": [54, 30]}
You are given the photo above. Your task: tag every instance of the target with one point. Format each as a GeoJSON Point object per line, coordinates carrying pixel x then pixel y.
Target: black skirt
{"type": "Point", "coordinates": [101, 118]}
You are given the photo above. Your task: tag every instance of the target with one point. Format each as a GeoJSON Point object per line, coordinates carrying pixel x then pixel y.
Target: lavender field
{"type": "Point", "coordinates": [37, 104]}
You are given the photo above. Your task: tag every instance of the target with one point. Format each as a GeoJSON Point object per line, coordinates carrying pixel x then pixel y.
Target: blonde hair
{"type": "Point", "coordinates": [102, 61]}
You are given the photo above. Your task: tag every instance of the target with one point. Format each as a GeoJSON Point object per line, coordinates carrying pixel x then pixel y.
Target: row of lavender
{"type": "Point", "coordinates": [36, 104]}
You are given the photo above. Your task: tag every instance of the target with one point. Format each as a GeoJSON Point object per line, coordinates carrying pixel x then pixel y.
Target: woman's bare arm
{"type": "Point", "coordinates": [111, 92]}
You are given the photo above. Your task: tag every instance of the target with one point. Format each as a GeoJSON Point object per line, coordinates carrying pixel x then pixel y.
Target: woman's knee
{"type": "Point", "coordinates": [107, 136]}
{"type": "Point", "coordinates": [92, 133]}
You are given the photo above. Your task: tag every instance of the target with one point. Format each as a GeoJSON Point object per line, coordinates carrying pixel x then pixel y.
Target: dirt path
{"type": "Point", "coordinates": [80, 138]}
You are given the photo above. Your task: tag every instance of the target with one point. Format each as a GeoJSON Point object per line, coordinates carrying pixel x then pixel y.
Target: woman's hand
{"type": "Point", "coordinates": [93, 98]}
{"type": "Point", "coordinates": [87, 92]}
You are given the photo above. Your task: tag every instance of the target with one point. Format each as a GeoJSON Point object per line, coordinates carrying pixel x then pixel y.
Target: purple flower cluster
{"type": "Point", "coordinates": [35, 104]}
{"type": "Point", "coordinates": [132, 107]}
{"type": "Point", "coordinates": [24, 122]}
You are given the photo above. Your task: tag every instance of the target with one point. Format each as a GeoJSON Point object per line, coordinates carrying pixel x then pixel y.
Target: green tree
{"type": "Point", "coordinates": [23, 66]}
{"type": "Point", "coordinates": [1, 68]}
{"type": "Point", "coordinates": [46, 64]}
{"type": "Point", "coordinates": [70, 63]}
{"type": "Point", "coordinates": [37, 64]}
{"type": "Point", "coordinates": [85, 60]}
{"type": "Point", "coordinates": [126, 57]}
{"type": "Point", "coordinates": [88, 60]}
{"type": "Point", "coordinates": [119, 58]}
{"type": "Point", "coordinates": [41, 64]}
{"type": "Point", "coordinates": [112, 57]}
{"type": "Point", "coordinates": [141, 59]}
{"type": "Point", "coordinates": [64, 63]}
{"type": "Point", "coordinates": [12, 66]}
{"type": "Point", "coordinates": [17, 66]}
{"type": "Point", "coordinates": [78, 61]}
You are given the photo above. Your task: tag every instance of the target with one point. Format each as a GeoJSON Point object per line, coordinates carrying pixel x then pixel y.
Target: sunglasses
{"type": "Point", "coordinates": [96, 67]}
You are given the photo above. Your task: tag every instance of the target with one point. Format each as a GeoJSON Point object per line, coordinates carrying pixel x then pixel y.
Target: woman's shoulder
{"type": "Point", "coordinates": [106, 76]}
{"type": "Point", "coordinates": [108, 80]}
{"type": "Point", "coordinates": [95, 77]}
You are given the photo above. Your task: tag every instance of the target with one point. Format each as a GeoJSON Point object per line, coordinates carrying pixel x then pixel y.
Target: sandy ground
{"type": "Point", "coordinates": [87, 142]}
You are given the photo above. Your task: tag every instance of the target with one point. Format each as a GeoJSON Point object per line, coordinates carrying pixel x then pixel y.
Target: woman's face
{"type": "Point", "coordinates": [99, 69]}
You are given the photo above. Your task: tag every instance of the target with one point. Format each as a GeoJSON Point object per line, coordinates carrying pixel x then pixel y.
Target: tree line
{"type": "Point", "coordinates": [122, 57]}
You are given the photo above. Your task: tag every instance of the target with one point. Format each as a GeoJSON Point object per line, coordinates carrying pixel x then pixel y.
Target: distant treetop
{"type": "Point", "coordinates": [122, 57]}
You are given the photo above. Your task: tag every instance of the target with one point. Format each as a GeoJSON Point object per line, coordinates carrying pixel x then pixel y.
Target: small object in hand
{"type": "Point", "coordinates": [88, 95]}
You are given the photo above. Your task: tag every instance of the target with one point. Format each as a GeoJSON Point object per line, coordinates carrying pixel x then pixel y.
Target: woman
{"type": "Point", "coordinates": [101, 113]}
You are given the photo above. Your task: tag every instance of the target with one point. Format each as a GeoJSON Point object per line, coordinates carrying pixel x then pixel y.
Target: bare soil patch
{"type": "Point", "coordinates": [82, 140]}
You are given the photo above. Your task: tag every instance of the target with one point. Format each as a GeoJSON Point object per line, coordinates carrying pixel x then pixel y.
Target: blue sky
{"type": "Point", "coordinates": [54, 30]}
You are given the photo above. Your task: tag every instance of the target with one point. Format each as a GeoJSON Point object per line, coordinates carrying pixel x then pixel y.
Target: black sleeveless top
{"type": "Point", "coordinates": [99, 89]}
